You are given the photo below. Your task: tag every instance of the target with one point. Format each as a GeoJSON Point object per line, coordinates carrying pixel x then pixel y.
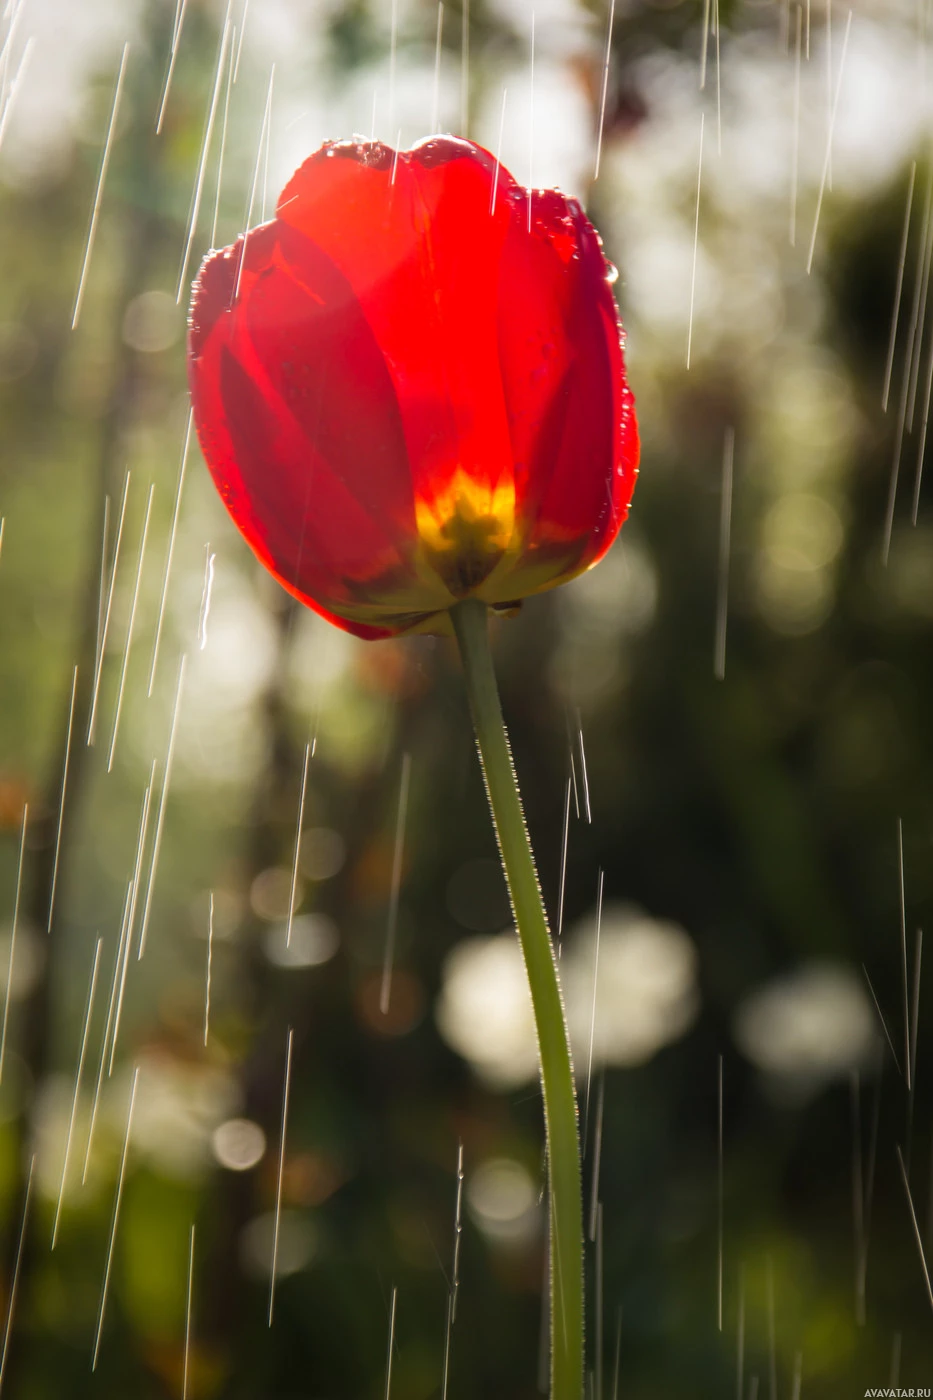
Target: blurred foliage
{"type": "Point", "coordinates": [759, 812]}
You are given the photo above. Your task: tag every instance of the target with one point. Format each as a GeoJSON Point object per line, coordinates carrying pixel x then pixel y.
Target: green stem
{"type": "Point", "coordinates": [560, 1108]}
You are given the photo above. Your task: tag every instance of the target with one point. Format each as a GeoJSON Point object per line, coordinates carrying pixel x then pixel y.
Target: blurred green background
{"type": "Point", "coordinates": [763, 836]}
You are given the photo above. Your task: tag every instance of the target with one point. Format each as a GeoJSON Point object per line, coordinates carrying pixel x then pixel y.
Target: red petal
{"type": "Point", "coordinates": [421, 253]}
{"type": "Point", "coordinates": [562, 368]}
{"type": "Point", "coordinates": [397, 334]}
{"type": "Point", "coordinates": [298, 418]}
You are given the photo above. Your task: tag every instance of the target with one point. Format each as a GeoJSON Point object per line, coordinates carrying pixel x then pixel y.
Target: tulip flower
{"type": "Point", "coordinates": [409, 386]}
{"type": "Point", "coordinates": [409, 389]}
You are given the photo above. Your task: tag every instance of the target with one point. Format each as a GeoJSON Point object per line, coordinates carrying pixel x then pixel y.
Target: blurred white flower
{"type": "Point", "coordinates": [294, 1244]}
{"type": "Point", "coordinates": [178, 1107]}
{"type": "Point", "coordinates": [314, 940]}
{"type": "Point", "coordinates": [646, 996]}
{"type": "Point", "coordinates": [238, 1144]}
{"type": "Point", "coordinates": [502, 1198]}
{"type": "Point", "coordinates": [810, 1026]}
{"type": "Point", "coordinates": [484, 1010]}
{"type": "Point", "coordinates": [645, 980]}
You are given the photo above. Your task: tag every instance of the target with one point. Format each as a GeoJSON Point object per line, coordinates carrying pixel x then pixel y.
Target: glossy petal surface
{"type": "Point", "coordinates": [409, 386]}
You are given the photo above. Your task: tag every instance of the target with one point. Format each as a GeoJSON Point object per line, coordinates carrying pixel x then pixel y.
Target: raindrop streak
{"type": "Point", "coordinates": [129, 630]}
{"type": "Point", "coordinates": [798, 1356]}
{"type": "Point", "coordinates": [202, 162]}
{"type": "Point", "coordinates": [391, 1345]}
{"type": "Point", "coordinates": [704, 43]}
{"type": "Point", "coordinates": [914, 1020]}
{"type": "Point", "coordinates": [455, 1271]}
{"type": "Point", "coordinates": [830, 105]}
{"type": "Point", "coordinates": [95, 211]}
{"type": "Point", "coordinates": [61, 801]}
{"type": "Point", "coordinates": [105, 1044]}
{"type": "Point", "coordinates": [870, 1186]}
{"type": "Point", "coordinates": [895, 1360]}
{"type": "Point", "coordinates": [918, 475]}
{"type": "Point", "coordinates": [915, 319]}
{"type": "Point", "coordinates": [719, 1197]}
{"type": "Point", "coordinates": [78, 1073]}
{"type": "Point", "coordinates": [309, 749]}
{"type": "Point", "coordinates": [795, 155]}
{"type": "Point", "coordinates": [254, 187]}
{"type": "Point", "coordinates": [239, 52]}
{"type": "Point", "coordinates": [696, 239]}
{"type": "Point", "coordinates": [207, 590]}
{"type": "Point", "coordinates": [901, 265]}
{"type": "Point", "coordinates": [268, 147]}
{"type": "Point", "coordinates": [180, 11]}
{"type": "Point", "coordinates": [2, 528]}
{"type": "Point", "coordinates": [7, 46]}
{"type": "Point", "coordinates": [393, 53]}
{"type": "Point", "coordinates": [281, 1174]}
{"type": "Point", "coordinates": [716, 28]}
{"type": "Point", "coordinates": [725, 535]}
{"type": "Point", "coordinates": [465, 70]}
{"type": "Point", "coordinates": [458, 1231]}
{"type": "Point", "coordinates": [105, 629]}
{"type": "Point", "coordinates": [829, 146]}
{"type": "Point", "coordinates": [884, 1024]}
{"type": "Point", "coordinates": [116, 1216]}
{"type": "Point", "coordinates": [184, 1378]}
{"type": "Point", "coordinates": [436, 94]}
{"type": "Point", "coordinates": [102, 582]}
{"type": "Point", "coordinates": [9, 976]}
{"type": "Point", "coordinates": [447, 1339]}
{"type": "Point", "coordinates": [170, 554]}
{"type": "Point", "coordinates": [495, 174]}
{"type": "Point", "coordinates": [605, 88]}
{"type": "Point", "coordinates": [531, 122]}
{"type": "Point", "coordinates": [160, 821]}
{"type": "Point", "coordinates": [223, 142]}
{"type": "Point", "coordinates": [135, 886]}
{"type": "Point", "coordinates": [398, 147]}
{"type": "Point", "coordinates": [583, 773]}
{"type": "Point", "coordinates": [14, 1283]}
{"type": "Point", "coordinates": [15, 86]}
{"type": "Point", "coordinates": [919, 330]}
{"type": "Point", "coordinates": [858, 1194]}
{"type": "Point", "coordinates": [740, 1340]}
{"type": "Point", "coordinates": [903, 912]}
{"type": "Point", "coordinates": [210, 958]}
{"type": "Point", "coordinates": [772, 1343]}
{"type": "Point", "coordinates": [589, 1058]}
{"type": "Point", "coordinates": [597, 1154]}
{"type": "Point", "coordinates": [598, 1387]}
{"type": "Point", "coordinates": [392, 926]}
{"type": "Point", "coordinates": [913, 1219]}
{"type": "Point", "coordinates": [564, 840]}
{"type": "Point", "coordinates": [618, 1360]}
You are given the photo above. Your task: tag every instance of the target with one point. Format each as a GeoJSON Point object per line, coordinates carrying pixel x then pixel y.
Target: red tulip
{"type": "Point", "coordinates": [409, 386]}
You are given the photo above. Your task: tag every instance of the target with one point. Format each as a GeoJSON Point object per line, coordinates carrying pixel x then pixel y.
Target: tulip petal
{"type": "Point", "coordinates": [421, 252]}
{"type": "Point", "coordinates": [410, 386]}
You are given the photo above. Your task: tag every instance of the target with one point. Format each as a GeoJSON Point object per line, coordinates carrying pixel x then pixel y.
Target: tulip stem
{"type": "Point", "coordinates": [470, 622]}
